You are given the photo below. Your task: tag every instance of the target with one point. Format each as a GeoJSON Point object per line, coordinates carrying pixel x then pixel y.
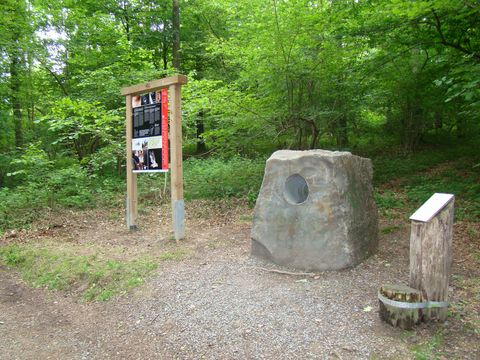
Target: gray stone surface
{"type": "Point", "coordinates": [332, 224]}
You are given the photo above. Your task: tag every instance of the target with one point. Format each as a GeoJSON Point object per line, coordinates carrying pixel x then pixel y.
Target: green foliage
{"type": "Point", "coordinates": [81, 126]}
{"type": "Point", "coordinates": [12, 255]}
{"type": "Point", "coordinates": [390, 229]}
{"type": "Point", "coordinates": [210, 178]}
{"type": "Point", "coordinates": [359, 75]}
{"type": "Point", "coordinates": [177, 255]}
{"type": "Point", "coordinates": [429, 350]}
{"type": "Point", "coordinates": [450, 170]}
{"type": "Point", "coordinates": [226, 113]}
{"type": "Point", "coordinates": [31, 166]}
{"type": "Point", "coordinates": [63, 269]}
{"type": "Point", "coordinates": [109, 191]}
{"type": "Point", "coordinates": [69, 187]}
{"type": "Point", "coordinates": [217, 178]}
{"type": "Point", "coordinates": [108, 161]}
{"type": "Point", "coordinates": [393, 165]}
{"type": "Point", "coordinates": [388, 200]}
{"type": "Point", "coordinates": [37, 183]}
{"type": "Point", "coordinates": [465, 186]}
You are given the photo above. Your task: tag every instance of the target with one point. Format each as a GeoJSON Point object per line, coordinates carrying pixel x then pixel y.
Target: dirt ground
{"type": "Point", "coordinates": [219, 303]}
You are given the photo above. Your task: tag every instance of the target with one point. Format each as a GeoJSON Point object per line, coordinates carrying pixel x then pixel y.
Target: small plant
{"type": "Point", "coordinates": [429, 350]}
{"type": "Point", "coordinates": [388, 199]}
{"type": "Point", "coordinates": [407, 334]}
{"type": "Point", "coordinates": [390, 229]}
{"type": "Point", "coordinates": [61, 269]}
{"type": "Point", "coordinates": [13, 256]}
{"type": "Point", "coordinates": [472, 232]}
{"type": "Point", "coordinates": [177, 255]}
{"type": "Point", "coordinates": [252, 198]}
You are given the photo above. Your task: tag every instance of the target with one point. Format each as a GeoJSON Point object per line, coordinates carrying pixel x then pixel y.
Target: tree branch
{"type": "Point", "coordinates": [444, 41]}
{"type": "Point", "coordinates": [57, 79]}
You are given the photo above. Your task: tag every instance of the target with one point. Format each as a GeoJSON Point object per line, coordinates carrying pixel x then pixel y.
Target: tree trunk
{"type": "Point", "coordinates": [299, 138]}
{"type": "Point", "coordinates": [412, 126]}
{"type": "Point", "coordinates": [461, 127]}
{"type": "Point", "coordinates": [315, 134]}
{"type": "Point", "coordinates": [201, 148]}
{"type": "Point", "coordinates": [15, 100]}
{"type": "Point", "coordinates": [176, 34]}
{"type": "Point", "coordinates": [165, 54]}
{"type": "Point", "coordinates": [341, 133]}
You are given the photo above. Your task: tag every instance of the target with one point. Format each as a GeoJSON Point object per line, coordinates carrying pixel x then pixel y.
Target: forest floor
{"type": "Point", "coordinates": [208, 299]}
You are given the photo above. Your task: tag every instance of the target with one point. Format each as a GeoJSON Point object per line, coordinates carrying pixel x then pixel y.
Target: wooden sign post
{"type": "Point", "coordinates": [174, 84]}
{"type": "Point", "coordinates": [431, 253]}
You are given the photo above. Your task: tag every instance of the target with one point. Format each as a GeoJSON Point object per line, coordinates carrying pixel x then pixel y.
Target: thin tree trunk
{"type": "Point", "coordinates": [461, 127]}
{"type": "Point", "coordinates": [165, 54]}
{"type": "Point", "coordinates": [315, 134]}
{"type": "Point", "coordinates": [15, 100]}
{"type": "Point", "coordinates": [176, 34]}
{"type": "Point", "coordinates": [342, 135]}
{"type": "Point", "coordinates": [31, 97]}
{"type": "Point", "coordinates": [201, 148]}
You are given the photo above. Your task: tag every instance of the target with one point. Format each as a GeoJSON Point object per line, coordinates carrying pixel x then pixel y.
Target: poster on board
{"type": "Point", "coordinates": [150, 132]}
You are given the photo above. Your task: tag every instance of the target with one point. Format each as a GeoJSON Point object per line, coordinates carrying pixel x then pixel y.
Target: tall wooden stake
{"type": "Point", "coordinates": [178, 205]}
{"type": "Point", "coordinates": [431, 253]}
{"type": "Point", "coordinates": [131, 205]}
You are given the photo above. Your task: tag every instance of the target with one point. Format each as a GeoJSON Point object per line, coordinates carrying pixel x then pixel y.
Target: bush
{"type": "Point", "coordinates": [217, 178]}
{"type": "Point", "coordinates": [39, 183]}
{"type": "Point", "coordinates": [69, 187]}
{"type": "Point", "coordinates": [466, 189]}
{"type": "Point", "coordinates": [19, 206]}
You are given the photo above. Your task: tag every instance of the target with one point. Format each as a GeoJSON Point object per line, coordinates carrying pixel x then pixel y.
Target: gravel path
{"type": "Point", "coordinates": [231, 309]}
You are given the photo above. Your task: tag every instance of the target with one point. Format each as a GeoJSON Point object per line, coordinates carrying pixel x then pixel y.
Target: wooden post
{"type": "Point", "coordinates": [174, 84]}
{"type": "Point", "coordinates": [431, 252]}
{"type": "Point", "coordinates": [131, 203]}
{"type": "Point", "coordinates": [178, 205]}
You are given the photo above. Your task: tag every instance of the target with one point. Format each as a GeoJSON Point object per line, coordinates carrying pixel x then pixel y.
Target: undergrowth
{"type": "Point", "coordinates": [388, 166]}
{"type": "Point", "coordinates": [217, 178]}
{"type": "Point", "coordinates": [460, 177]}
{"type": "Point", "coordinates": [36, 183]}
{"type": "Point", "coordinates": [429, 350]}
{"type": "Point", "coordinates": [96, 277]}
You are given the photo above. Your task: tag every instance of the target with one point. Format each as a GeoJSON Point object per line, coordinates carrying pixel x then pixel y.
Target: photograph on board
{"type": "Point", "coordinates": [147, 153]}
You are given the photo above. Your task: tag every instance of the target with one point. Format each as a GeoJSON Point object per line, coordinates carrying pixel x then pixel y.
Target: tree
{"type": "Point", "coordinates": [176, 34]}
{"type": "Point", "coordinates": [16, 40]}
{"type": "Point", "coordinates": [433, 56]}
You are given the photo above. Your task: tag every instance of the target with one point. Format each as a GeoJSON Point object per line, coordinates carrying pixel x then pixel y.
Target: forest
{"type": "Point", "coordinates": [394, 80]}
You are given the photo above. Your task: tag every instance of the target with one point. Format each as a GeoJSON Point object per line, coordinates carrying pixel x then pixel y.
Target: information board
{"type": "Point", "coordinates": [150, 132]}
{"type": "Point", "coordinates": [431, 207]}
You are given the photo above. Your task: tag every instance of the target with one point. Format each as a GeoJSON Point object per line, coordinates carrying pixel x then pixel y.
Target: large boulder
{"type": "Point", "coordinates": [315, 210]}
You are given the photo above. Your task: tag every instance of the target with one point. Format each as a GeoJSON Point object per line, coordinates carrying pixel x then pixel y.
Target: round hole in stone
{"type": "Point", "coordinates": [296, 189]}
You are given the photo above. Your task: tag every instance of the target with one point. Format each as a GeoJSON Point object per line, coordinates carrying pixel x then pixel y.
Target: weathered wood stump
{"type": "Point", "coordinates": [397, 305]}
{"type": "Point", "coordinates": [431, 253]}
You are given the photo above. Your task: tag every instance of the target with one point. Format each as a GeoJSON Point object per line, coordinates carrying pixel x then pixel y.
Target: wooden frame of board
{"type": "Point", "coordinates": [173, 84]}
